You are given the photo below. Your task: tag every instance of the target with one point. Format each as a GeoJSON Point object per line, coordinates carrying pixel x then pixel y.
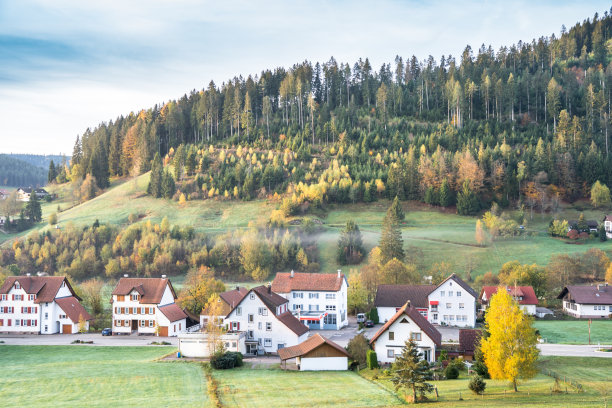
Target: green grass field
{"type": "Point", "coordinates": [592, 373]}
{"type": "Point", "coordinates": [78, 376]}
{"type": "Point", "coordinates": [269, 388]}
{"type": "Point", "coordinates": [576, 332]}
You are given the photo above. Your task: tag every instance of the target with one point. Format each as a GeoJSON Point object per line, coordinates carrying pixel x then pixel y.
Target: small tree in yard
{"type": "Point", "coordinates": [412, 372]}
{"type": "Point", "coordinates": [373, 315]}
{"type": "Point", "coordinates": [82, 324]}
{"type": "Point", "coordinates": [372, 359]}
{"type": "Point", "coordinates": [214, 328]}
{"type": "Point", "coordinates": [510, 351]}
{"type": "Point", "coordinates": [477, 384]}
{"type": "Point", "coordinates": [358, 348]}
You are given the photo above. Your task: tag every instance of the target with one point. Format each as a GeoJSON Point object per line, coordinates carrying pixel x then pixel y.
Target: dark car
{"type": "Point", "coordinates": [369, 323]}
{"type": "Point", "coordinates": [107, 332]}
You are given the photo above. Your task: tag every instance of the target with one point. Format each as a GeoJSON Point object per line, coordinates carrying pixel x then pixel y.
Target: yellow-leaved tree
{"type": "Point", "coordinates": [510, 351]}
{"type": "Point", "coordinates": [214, 328]}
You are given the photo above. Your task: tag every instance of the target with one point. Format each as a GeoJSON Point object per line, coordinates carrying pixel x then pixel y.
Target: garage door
{"type": "Point", "coordinates": [67, 328]}
{"type": "Point", "coordinates": [163, 331]}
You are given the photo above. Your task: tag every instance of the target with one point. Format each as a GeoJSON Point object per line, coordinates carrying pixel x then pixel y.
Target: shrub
{"type": "Point", "coordinates": [477, 384]}
{"type": "Point", "coordinates": [451, 372]}
{"type": "Point", "coordinates": [373, 315]}
{"type": "Point", "coordinates": [53, 219]}
{"type": "Point", "coordinates": [227, 360]}
{"type": "Point", "coordinates": [372, 359]}
{"type": "Point", "coordinates": [481, 369]}
{"type": "Point", "coordinates": [458, 363]}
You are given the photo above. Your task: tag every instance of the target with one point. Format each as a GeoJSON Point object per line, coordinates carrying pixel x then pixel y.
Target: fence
{"type": "Point", "coordinates": [563, 378]}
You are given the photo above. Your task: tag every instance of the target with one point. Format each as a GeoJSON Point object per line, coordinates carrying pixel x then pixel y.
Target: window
{"type": "Point", "coordinates": [313, 307]}
{"type": "Point", "coordinates": [17, 285]}
{"type": "Point", "coordinates": [262, 311]}
{"type": "Point", "coordinates": [267, 342]}
{"type": "Point", "coordinates": [46, 328]}
{"type": "Point", "coordinates": [298, 295]}
{"type": "Point", "coordinates": [330, 296]}
{"type": "Point", "coordinates": [120, 298]}
{"type": "Point", "coordinates": [451, 317]}
{"type": "Point", "coordinates": [442, 293]}
{"type": "Point", "coordinates": [235, 326]}
{"type": "Point", "coordinates": [250, 334]}
{"type": "Point", "coordinates": [3, 297]}
{"type": "Point", "coordinates": [252, 296]}
{"type": "Point", "coordinates": [151, 310]}
{"type": "Point", "coordinates": [62, 316]}
{"type": "Point", "coordinates": [251, 318]}
{"type": "Point", "coordinates": [239, 311]}
{"type": "Point", "coordinates": [142, 310]}
{"type": "Point", "coordinates": [458, 294]}
{"type": "Point", "coordinates": [126, 323]}
{"type": "Point", "coordinates": [448, 305]}
{"type": "Point", "coordinates": [142, 323]}
{"type": "Point", "coordinates": [330, 319]}
{"type": "Point", "coordinates": [390, 353]}
{"type": "Point", "coordinates": [450, 293]}
{"type": "Point", "coordinates": [434, 316]}
{"type": "Point", "coordinates": [32, 297]}
{"type": "Point", "coordinates": [461, 305]}
{"type": "Point", "coordinates": [331, 308]}
{"type": "Point", "coordinates": [415, 336]}
{"type": "Point", "coordinates": [259, 325]}
{"type": "Point", "coordinates": [268, 326]}
{"type": "Point", "coordinates": [135, 297]}
{"type": "Point", "coordinates": [46, 315]}
{"type": "Point", "coordinates": [151, 323]}
{"type": "Point", "coordinates": [391, 335]}
{"type": "Point", "coordinates": [17, 322]}
{"type": "Point", "coordinates": [445, 317]}
{"type": "Point", "coordinates": [298, 307]}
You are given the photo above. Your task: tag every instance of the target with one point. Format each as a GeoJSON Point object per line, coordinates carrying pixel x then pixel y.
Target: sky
{"type": "Point", "coordinates": [68, 65]}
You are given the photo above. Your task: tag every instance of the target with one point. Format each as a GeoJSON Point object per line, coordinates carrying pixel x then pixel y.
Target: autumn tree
{"type": "Point", "coordinates": [358, 347]}
{"type": "Point", "coordinates": [510, 351]}
{"type": "Point", "coordinates": [92, 295]}
{"type": "Point", "coordinates": [357, 297]}
{"type": "Point", "coordinates": [481, 237]}
{"type": "Point", "coordinates": [350, 245]}
{"type": "Point", "coordinates": [214, 328]}
{"type": "Point", "coordinates": [255, 256]}
{"type": "Point", "coordinates": [82, 324]}
{"type": "Point", "coordinates": [600, 195]}
{"type": "Point", "coordinates": [199, 286]}
{"type": "Point", "coordinates": [396, 272]}
{"type": "Point", "coordinates": [411, 372]}
{"type": "Point", "coordinates": [515, 273]}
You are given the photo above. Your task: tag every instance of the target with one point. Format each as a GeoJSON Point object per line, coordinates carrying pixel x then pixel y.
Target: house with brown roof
{"type": "Point", "coordinates": [407, 323]}
{"type": "Point", "coordinates": [228, 300]}
{"type": "Point", "coordinates": [524, 295]}
{"type": "Point", "coordinates": [40, 304]}
{"type": "Point", "coordinates": [587, 301]}
{"type": "Point", "coordinates": [265, 318]}
{"type": "Point", "coordinates": [146, 306]}
{"type": "Point", "coordinates": [319, 300]}
{"type": "Point", "coordinates": [317, 353]}
{"type": "Point", "coordinates": [468, 341]}
{"type": "Point", "coordinates": [452, 302]}
{"type": "Point", "coordinates": [607, 222]}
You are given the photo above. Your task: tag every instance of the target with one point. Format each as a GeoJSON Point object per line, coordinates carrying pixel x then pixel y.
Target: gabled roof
{"type": "Point", "coordinates": [468, 339]}
{"type": "Point", "coordinates": [151, 290]}
{"type": "Point", "coordinates": [413, 314]}
{"type": "Point", "coordinates": [234, 296]}
{"type": "Point", "coordinates": [173, 312]}
{"type": "Point", "coordinates": [461, 283]}
{"type": "Point", "coordinates": [284, 283]}
{"type": "Point", "coordinates": [269, 298]}
{"type": "Point", "coordinates": [590, 295]}
{"type": "Point", "coordinates": [608, 218]}
{"type": "Point", "coordinates": [73, 309]}
{"type": "Point", "coordinates": [308, 345]}
{"type": "Point", "coordinates": [292, 323]}
{"type": "Point", "coordinates": [398, 295]}
{"type": "Point", "coordinates": [529, 296]}
{"type": "Point", "coordinates": [44, 287]}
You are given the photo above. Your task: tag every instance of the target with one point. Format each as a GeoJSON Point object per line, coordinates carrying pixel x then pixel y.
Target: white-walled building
{"type": "Point", "coordinates": [24, 193]}
{"type": "Point", "coordinates": [317, 353]}
{"type": "Point", "coordinates": [228, 300]}
{"type": "Point", "coordinates": [197, 344]}
{"type": "Point", "coordinates": [265, 318]}
{"type": "Point", "coordinates": [587, 301]}
{"type": "Point", "coordinates": [146, 306]}
{"type": "Point", "coordinates": [319, 300]}
{"type": "Point", "coordinates": [524, 295]}
{"type": "Point", "coordinates": [40, 304]}
{"type": "Point", "coordinates": [608, 225]}
{"type": "Point", "coordinates": [407, 323]}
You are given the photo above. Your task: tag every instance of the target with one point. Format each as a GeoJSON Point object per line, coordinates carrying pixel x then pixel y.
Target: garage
{"type": "Point", "coordinates": [66, 328]}
{"type": "Point", "coordinates": [163, 331]}
{"type": "Point", "coordinates": [317, 353]}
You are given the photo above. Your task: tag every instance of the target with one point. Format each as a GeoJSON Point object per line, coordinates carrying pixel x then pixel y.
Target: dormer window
{"type": "Point", "coordinates": [135, 297]}
{"type": "Point", "coordinates": [17, 285]}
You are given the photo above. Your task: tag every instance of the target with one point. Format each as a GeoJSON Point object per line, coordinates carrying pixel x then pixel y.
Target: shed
{"type": "Point", "coordinates": [197, 344]}
{"type": "Point", "coordinates": [316, 354]}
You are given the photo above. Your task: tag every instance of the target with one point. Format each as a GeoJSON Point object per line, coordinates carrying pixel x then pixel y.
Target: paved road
{"type": "Point", "coordinates": [571, 350]}
{"type": "Point", "coordinates": [97, 338]}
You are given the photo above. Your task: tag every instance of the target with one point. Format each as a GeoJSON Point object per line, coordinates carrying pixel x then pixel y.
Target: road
{"type": "Point", "coordinates": [572, 350]}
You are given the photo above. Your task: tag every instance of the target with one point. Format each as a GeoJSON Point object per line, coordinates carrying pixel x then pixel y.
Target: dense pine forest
{"type": "Point", "coordinates": [526, 122]}
{"type": "Point", "coordinates": [15, 172]}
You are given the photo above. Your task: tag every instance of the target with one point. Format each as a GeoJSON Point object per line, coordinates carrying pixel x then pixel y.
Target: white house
{"type": "Point", "coordinates": [407, 323]}
{"type": "Point", "coordinates": [587, 301]}
{"type": "Point", "coordinates": [40, 304]}
{"type": "Point", "coordinates": [317, 353]}
{"type": "Point", "coordinates": [24, 193]}
{"type": "Point", "coordinates": [265, 318]}
{"type": "Point", "coordinates": [608, 225]}
{"type": "Point", "coordinates": [319, 300]}
{"type": "Point", "coordinates": [453, 303]}
{"type": "Point", "coordinates": [524, 295]}
{"type": "Point", "coordinates": [146, 306]}
{"type": "Point", "coordinates": [228, 300]}
{"type": "Point", "coordinates": [197, 344]}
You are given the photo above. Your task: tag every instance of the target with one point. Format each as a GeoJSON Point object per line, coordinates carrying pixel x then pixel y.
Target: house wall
{"type": "Point", "coordinates": [167, 297]}
{"type": "Point", "coordinates": [608, 228]}
{"type": "Point", "coordinates": [402, 333]}
{"type": "Point", "coordinates": [17, 315]}
{"type": "Point", "coordinates": [529, 309]}
{"type": "Point", "coordinates": [127, 305]}
{"type": "Point", "coordinates": [279, 334]}
{"type": "Point", "coordinates": [456, 306]}
{"type": "Point", "coordinates": [197, 345]}
{"type": "Point", "coordinates": [585, 310]}
{"type": "Point", "coordinates": [323, 363]}
{"type": "Point", "coordinates": [174, 328]}
{"type": "Point", "coordinates": [386, 313]}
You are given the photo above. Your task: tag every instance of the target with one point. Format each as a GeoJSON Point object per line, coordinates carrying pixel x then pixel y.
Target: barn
{"type": "Point", "coordinates": [316, 354]}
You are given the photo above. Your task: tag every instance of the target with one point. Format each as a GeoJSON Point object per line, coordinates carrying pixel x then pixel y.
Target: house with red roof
{"type": "Point", "coordinates": [146, 306]}
{"type": "Point", "coordinates": [228, 300]}
{"type": "Point", "coordinates": [319, 300]}
{"type": "Point", "coordinates": [593, 301]}
{"type": "Point", "coordinates": [40, 305]}
{"type": "Point", "coordinates": [265, 318]}
{"type": "Point", "coordinates": [407, 323]}
{"type": "Point", "coordinates": [524, 295]}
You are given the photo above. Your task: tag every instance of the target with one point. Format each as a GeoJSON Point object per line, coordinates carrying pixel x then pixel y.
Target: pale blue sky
{"type": "Point", "coordinates": [66, 65]}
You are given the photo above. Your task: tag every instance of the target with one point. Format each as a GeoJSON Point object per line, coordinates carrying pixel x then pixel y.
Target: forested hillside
{"type": "Point", "coordinates": [18, 173]}
{"type": "Point", "coordinates": [527, 121]}
{"type": "Point", "coordinates": [39, 160]}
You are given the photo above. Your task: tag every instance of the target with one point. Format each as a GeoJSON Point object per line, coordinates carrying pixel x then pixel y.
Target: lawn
{"type": "Point", "coordinates": [77, 376]}
{"type": "Point", "coordinates": [271, 388]}
{"type": "Point", "coordinates": [576, 331]}
{"type": "Point", "coordinates": [592, 373]}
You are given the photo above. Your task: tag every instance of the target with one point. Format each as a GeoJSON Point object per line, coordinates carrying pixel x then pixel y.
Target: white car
{"type": "Point", "coordinates": [361, 317]}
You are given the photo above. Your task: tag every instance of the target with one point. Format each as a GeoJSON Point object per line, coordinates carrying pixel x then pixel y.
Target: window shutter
{"type": "Point", "coordinates": [238, 326]}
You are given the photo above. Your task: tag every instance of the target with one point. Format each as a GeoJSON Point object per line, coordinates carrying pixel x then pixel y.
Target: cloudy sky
{"type": "Point", "coordinates": [67, 65]}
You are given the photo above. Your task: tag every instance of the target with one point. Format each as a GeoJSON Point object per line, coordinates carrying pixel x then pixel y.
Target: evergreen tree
{"type": "Point", "coordinates": [396, 210]}
{"type": "Point", "coordinates": [52, 172]}
{"type": "Point", "coordinates": [467, 202]}
{"type": "Point", "coordinates": [168, 185]}
{"type": "Point", "coordinates": [445, 195]}
{"type": "Point", "coordinates": [32, 208]}
{"type": "Point", "coordinates": [77, 152]}
{"type": "Point", "coordinates": [155, 182]}
{"type": "Point", "coordinates": [391, 242]}
{"type": "Point", "coordinates": [410, 371]}
{"type": "Point", "coordinates": [98, 165]}
{"type": "Point", "coordinates": [350, 245]}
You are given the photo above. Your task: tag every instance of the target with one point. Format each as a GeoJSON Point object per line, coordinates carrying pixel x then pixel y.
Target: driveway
{"type": "Point", "coordinates": [67, 339]}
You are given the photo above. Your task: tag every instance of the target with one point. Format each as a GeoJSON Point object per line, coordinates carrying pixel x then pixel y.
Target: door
{"type": "Point", "coordinates": [163, 331]}
{"type": "Point", "coordinates": [66, 328]}
{"type": "Point", "coordinates": [134, 325]}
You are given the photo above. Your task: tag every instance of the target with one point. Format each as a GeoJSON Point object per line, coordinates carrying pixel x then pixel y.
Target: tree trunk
{"type": "Point", "coordinates": [514, 385]}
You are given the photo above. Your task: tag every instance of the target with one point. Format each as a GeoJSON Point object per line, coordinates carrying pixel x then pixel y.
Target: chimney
{"type": "Point", "coordinates": [163, 276]}
{"type": "Point", "coordinates": [238, 288]}
{"type": "Point", "coordinates": [598, 286]}
{"type": "Point", "coordinates": [269, 288]}
{"type": "Point", "coordinates": [292, 273]}
{"type": "Point", "coordinates": [408, 303]}
{"type": "Point", "coordinates": [125, 275]}
{"type": "Point", "coordinates": [28, 274]}
{"type": "Point", "coordinates": [339, 272]}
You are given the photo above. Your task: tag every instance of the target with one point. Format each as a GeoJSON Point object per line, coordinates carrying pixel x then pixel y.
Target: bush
{"type": "Point", "coordinates": [477, 384]}
{"type": "Point", "coordinates": [53, 219]}
{"type": "Point", "coordinates": [451, 372]}
{"type": "Point", "coordinates": [227, 360]}
{"type": "Point", "coordinates": [373, 315]}
{"type": "Point", "coordinates": [481, 369]}
{"type": "Point", "coordinates": [372, 359]}
{"type": "Point", "coordinates": [458, 363]}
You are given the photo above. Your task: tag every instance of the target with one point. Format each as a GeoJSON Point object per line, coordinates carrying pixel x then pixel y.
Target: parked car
{"type": "Point", "coordinates": [107, 332]}
{"type": "Point", "coordinates": [369, 323]}
{"type": "Point", "coordinates": [361, 317]}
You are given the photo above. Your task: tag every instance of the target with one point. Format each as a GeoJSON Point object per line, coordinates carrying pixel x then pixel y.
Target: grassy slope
{"type": "Point", "coordinates": [72, 376]}
{"type": "Point", "coordinates": [576, 332]}
{"type": "Point", "coordinates": [275, 388]}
